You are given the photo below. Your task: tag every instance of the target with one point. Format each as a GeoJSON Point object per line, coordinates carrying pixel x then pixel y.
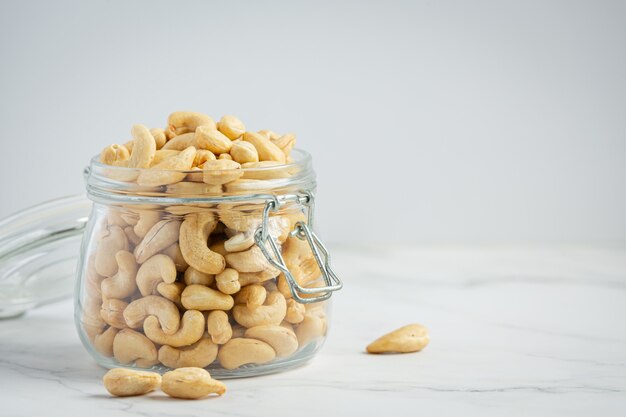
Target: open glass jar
{"type": "Point", "coordinates": [226, 275]}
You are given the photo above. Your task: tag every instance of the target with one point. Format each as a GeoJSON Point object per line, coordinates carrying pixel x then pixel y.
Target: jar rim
{"type": "Point", "coordinates": [112, 183]}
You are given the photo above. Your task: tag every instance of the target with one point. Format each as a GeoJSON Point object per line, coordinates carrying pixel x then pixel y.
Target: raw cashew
{"type": "Point", "coordinates": [112, 242]}
{"type": "Point", "coordinates": [219, 327]}
{"type": "Point", "coordinates": [228, 281]}
{"type": "Point", "coordinates": [133, 239]}
{"type": "Point", "coordinates": [147, 219]}
{"type": "Point", "coordinates": [301, 262]}
{"type": "Point", "coordinates": [162, 154]}
{"type": "Point", "coordinates": [239, 242]}
{"type": "Point", "coordinates": [115, 155]}
{"type": "Point", "coordinates": [193, 276]}
{"type": "Point", "coordinates": [311, 328]}
{"type": "Point", "coordinates": [130, 346]}
{"type": "Point", "coordinates": [174, 252]}
{"type": "Point", "coordinates": [295, 312]}
{"type": "Point", "coordinates": [104, 341]}
{"type": "Point", "coordinates": [171, 291]}
{"type": "Point", "coordinates": [231, 126]}
{"type": "Point", "coordinates": [123, 382]}
{"type": "Point", "coordinates": [281, 339]}
{"type": "Point", "coordinates": [247, 186]}
{"type": "Point", "coordinates": [112, 311]}
{"type": "Point", "coordinates": [199, 297]}
{"type": "Point", "coordinates": [246, 278]}
{"type": "Point", "coordinates": [243, 152]}
{"type": "Point", "coordinates": [270, 134]}
{"type": "Point", "coordinates": [213, 140]}
{"type": "Point", "coordinates": [203, 155]}
{"type": "Point", "coordinates": [272, 312]}
{"type": "Point", "coordinates": [160, 236]}
{"type": "Point", "coordinates": [191, 383]}
{"type": "Point", "coordinates": [266, 149]}
{"type": "Point", "coordinates": [194, 233]}
{"type": "Point", "coordinates": [159, 137]}
{"type": "Point", "coordinates": [159, 268]}
{"type": "Point", "coordinates": [285, 142]}
{"type": "Point", "coordinates": [252, 296]}
{"type": "Point", "coordinates": [409, 338]}
{"type": "Point", "coordinates": [187, 121]}
{"type": "Point", "coordinates": [91, 320]}
{"type": "Point", "coordinates": [181, 142]}
{"type": "Point", "coordinates": [225, 156]}
{"type": "Point", "coordinates": [251, 260]}
{"type": "Point", "coordinates": [241, 351]}
{"type": "Point", "coordinates": [144, 148]}
{"type": "Point", "coordinates": [221, 171]}
{"type": "Point", "coordinates": [168, 170]}
{"type": "Point", "coordinates": [190, 331]}
{"type": "Point", "coordinates": [153, 305]}
{"type": "Point", "coordinates": [122, 284]}
{"type": "Point", "coordinates": [200, 354]}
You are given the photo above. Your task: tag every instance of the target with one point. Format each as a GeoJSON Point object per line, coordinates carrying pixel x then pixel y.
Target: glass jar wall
{"type": "Point", "coordinates": [227, 277]}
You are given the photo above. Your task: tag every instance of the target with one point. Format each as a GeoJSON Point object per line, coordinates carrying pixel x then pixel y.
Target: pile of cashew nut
{"type": "Point", "coordinates": [187, 286]}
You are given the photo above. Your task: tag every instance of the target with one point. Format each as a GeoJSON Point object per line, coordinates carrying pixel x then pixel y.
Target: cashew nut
{"type": "Point", "coordinates": [266, 149]}
{"type": "Point", "coordinates": [193, 276]}
{"type": "Point", "coordinates": [123, 382]}
{"type": "Point", "coordinates": [409, 338]}
{"type": "Point", "coordinates": [171, 291]}
{"type": "Point", "coordinates": [219, 327]}
{"type": "Point", "coordinates": [251, 260]}
{"type": "Point", "coordinates": [130, 346]}
{"type": "Point", "coordinates": [228, 281]}
{"type": "Point", "coordinates": [191, 383]}
{"type": "Point", "coordinates": [221, 171]}
{"type": "Point", "coordinates": [133, 239]}
{"type": "Point", "coordinates": [246, 278]}
{"type": "Point", "coordinates": [272, 312]}
{"type": "Point", "coordinates": [243, 152]}
{"type": "Point", "coordinates": [252, 296]}
{"type": "Point", "coordinates": [295, 312]}
{"type": "Point", "coordinates": [225, 156]}
{"type": "Point", "coordinates": [112, 311]}
{"type": "Point", "coordinates": [122, 284]}
{"type": "Point", "coordinates": [190, 331]}
{"type": "Point", "coordinates": [159, 268]}
{"type": "Point", "coordinates": [239, 242]}
{"type": "Point", "coordinates": [194, 233]}
{"type": "Point", "coordinates": [311, 328]}
{"type": "Point", "coordinates": [144, 149]}
{"type": "Point", "coordinates": [174, 252]}
{"type": "Point", "coordinates": [200, 354]}
{"type": "Point", "coordinates": [153, 305]}
{"type": "Point", "coordinates": [146, 220]}
{"type": "Point", "coordinates": [241, 351]}
{"type": "Point", "coordinates": [281, 339]}
{"type": "Point", "coordinates": [213, 140]}
{"type": "Point", "coordinates": [104, 342]}
{"type": "Point", "coordinates": [203, 155]}
{"type": "Point", "coordinates": [114, 155]}
{"type": "Point", "coordinates": [181, 122]}
{"type": "Point", "coordinates": [162, 154]}
{"type": "Point", "coordinates": [199, 297]}
{"type": "Point", "coordinates": [285, 142]}
{"type": "Point", "coordinates": [180, 142]}
{"type": "Point", "coordinates": [160, 236]}
{"type": "Point", "coordinates": [159, 137]}
{"type": "Point", "coordinates": [111, 243]}
{"type": "Point", "coordinates": [301, 262]}
{"type": "Point", "coordinates": [231, 126]}
{"type": "Point", "coordinates": [270, 134]}
{"type": "Point", "coordinates": [91, 320]}
{"type": "Point", "coordinates": [168, 170]}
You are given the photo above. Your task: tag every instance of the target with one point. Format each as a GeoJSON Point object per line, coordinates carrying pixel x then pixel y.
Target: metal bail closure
{"type": "Point", "coordinates": [301, 231]}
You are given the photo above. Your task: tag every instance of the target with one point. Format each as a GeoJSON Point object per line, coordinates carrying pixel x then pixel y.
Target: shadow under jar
{"type": "Point", "coordinates": [220, 272]}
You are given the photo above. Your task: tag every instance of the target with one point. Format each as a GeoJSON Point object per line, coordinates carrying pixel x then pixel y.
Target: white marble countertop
{"type": "Point", "coordinates": [534, 330]}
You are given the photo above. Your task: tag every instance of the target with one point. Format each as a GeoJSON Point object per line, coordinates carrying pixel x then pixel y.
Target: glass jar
{"type": "Point", "coordinates": [225, 275]}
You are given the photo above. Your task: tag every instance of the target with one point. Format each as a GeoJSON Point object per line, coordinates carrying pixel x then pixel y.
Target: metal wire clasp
{"type": "Point", "coordinates": [302, 231]}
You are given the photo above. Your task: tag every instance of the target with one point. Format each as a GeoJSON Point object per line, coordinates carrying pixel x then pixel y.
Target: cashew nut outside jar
{"type": "Point", "coordinates": [175, 273]}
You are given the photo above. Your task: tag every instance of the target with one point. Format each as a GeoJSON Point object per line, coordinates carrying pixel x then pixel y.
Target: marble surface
{"type": "Point", "coordinates": [515, 330]}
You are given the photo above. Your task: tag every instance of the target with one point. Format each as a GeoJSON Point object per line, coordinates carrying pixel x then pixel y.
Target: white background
{"type": "Point", "coordinates": [428, 121]}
